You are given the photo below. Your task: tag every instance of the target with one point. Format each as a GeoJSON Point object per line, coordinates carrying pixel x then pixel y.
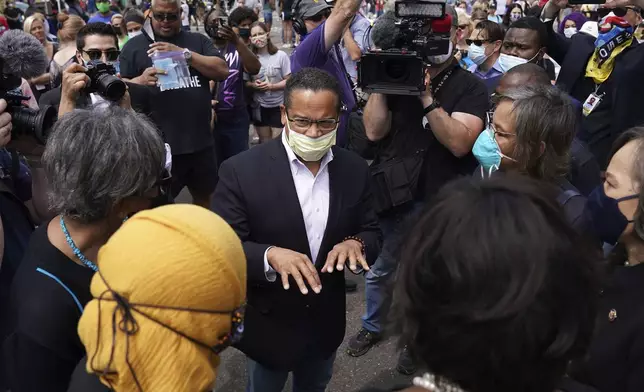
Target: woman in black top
{"type": "Point", "coordinates": [103, 165]}
{"type": "Point", "coordinates": [615, 361]}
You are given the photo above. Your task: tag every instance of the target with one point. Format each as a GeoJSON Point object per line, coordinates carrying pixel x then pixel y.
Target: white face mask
{"type": "Point", "coordinates": [477, 54]}
{"type": "Point", "coordinates": [132, 34]}
{"type": "Point", "coordinates": [507, 62]}
{"type": "Point", "coordinates": [570, 31]}
{"type": "Point", "coordinates": [438, 60]}
{"type": "Point", "coordinates": [308, 148]}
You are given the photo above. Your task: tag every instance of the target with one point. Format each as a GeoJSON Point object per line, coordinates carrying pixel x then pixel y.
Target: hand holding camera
{"type": "Point", "coordinates": [97, 77]}
{"type": "Point", "coordinates": [74, 81]}
{"type": "Point", "coordinates": [5, 124]}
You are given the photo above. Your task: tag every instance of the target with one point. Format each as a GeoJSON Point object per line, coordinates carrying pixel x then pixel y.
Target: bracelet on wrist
{"type": "Point", "coordinates": [352, 237]}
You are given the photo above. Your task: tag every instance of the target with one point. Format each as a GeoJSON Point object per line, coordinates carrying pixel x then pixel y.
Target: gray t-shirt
{"type": "Point", "coordinates": [275, 67]}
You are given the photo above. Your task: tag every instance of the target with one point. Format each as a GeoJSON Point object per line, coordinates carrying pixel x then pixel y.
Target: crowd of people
{"type": "Point", "coordinates": [496, 217]}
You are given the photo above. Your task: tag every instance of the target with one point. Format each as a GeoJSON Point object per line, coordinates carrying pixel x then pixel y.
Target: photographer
{"type": "Point", "coordinates": [95, 41]}
{"type": "Point", "coordinates": [16, 224]}
{"type": "Point", "coordinates": [423, 142]}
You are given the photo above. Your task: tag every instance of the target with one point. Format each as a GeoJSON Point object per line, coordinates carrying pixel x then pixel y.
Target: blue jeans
{"type": "Point", "coordinates": [313, 375]}
{"type": "Point", "coordinates": [393, 229]}
{"type": "Point", "coordinates": [231, 133]}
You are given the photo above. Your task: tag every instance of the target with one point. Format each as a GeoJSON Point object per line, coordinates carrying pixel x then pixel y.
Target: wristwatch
{"type": "Point", "coordinates": [432, 106]}
{"type": "Point", "coordinates": [188, 55]}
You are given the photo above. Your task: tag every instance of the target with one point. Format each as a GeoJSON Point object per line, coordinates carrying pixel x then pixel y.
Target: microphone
{"type": "Point", "coordinates": [22, 54]}
{"type": "Point", "coordinates": [384, 32]}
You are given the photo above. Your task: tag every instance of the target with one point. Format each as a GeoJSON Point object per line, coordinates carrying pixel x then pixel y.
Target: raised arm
{"type": "Point", "coordinates": [339, 20]}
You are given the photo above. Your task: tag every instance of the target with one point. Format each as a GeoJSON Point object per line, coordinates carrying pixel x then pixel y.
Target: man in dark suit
{"type": "Point", "coordinates": [302, 208]}
{"type": "Point", "coordinates": [96, 41]}
{"type": "Point", "coordinates": [610, 88]}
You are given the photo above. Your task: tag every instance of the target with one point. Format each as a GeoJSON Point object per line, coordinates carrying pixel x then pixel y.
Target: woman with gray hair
{"type": "Point", "coordinates": [103, 165]}
{"type": "Point", "coordinates": [531, 132]}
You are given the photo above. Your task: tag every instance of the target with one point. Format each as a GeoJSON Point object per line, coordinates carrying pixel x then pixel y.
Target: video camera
{"type": "Point", "coordinates": [400, 70]}
{"type": "Point", "coordinates": [104, 82]}
{"type": "Point", "coordinates": [25, 121]}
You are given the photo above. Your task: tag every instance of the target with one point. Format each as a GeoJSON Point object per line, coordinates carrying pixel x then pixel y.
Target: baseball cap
{"type": "Point", "coordinates": [309, 8]}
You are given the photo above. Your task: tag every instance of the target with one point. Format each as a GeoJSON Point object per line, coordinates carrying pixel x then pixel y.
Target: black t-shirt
{"type": "Point", "coordinates": [184, 113]}
{"type": "Point", "coordinates": [461, 92]}
{"type": "Point", "coordinates": [48, 294]}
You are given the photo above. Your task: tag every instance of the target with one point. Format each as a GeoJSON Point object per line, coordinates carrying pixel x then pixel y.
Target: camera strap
{"type": "Point", "coordinates": [338, 56]}
{"type": "Point", "coordinates": [442, 81]}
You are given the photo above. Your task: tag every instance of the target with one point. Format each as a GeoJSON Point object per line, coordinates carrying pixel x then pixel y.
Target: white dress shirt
{"type": "Point", "coordinates": [313, 194]}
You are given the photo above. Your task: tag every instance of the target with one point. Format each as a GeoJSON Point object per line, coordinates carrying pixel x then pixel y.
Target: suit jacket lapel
{"type": "Point", "coordinates": [335, 202]}
{"type": "Point", "coordinates": [282, 178]}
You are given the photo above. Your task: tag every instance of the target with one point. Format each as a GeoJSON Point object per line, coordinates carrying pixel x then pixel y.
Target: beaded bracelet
{"type": "Point", "coordinates": [352, 237]}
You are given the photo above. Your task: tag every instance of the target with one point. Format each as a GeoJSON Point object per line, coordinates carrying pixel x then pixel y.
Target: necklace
{"type": "Point", "coordinates": [86, 262]}
{"type": "Point", "coordinates": [428, 381]}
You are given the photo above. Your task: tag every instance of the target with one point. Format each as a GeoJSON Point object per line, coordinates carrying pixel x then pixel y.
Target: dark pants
{"type": "Point", "coordinates": [231, 132]}
{"type": "Point", "coordinates": [313, 375]}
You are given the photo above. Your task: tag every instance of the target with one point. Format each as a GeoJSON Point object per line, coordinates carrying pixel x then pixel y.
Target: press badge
{"type": "Point", "coordinates": [591, 103]}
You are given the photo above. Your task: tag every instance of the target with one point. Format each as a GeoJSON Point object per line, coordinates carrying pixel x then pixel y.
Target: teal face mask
{"type": "Point", "coordinates": [487, 151]}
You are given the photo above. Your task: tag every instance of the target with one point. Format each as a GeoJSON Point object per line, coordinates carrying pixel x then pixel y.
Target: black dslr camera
{"type": "Point", "coordinates": [104, 82]}
{"type": "Point", "coordinates": [25, 121]}
{"type": "Point", "coordinates": [422, 31]}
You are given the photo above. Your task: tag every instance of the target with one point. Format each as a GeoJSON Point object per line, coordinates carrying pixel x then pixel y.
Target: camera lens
{"type": "Point", "coordinates": [395, 70]}
{"type": "Point", "coordinates": [36, 123]}
{"type": "Point", "coordinates": [110, 87]}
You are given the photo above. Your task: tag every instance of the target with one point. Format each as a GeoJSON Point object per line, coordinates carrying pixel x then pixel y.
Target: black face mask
{"type": "Point", "coordinates": [244, 33]}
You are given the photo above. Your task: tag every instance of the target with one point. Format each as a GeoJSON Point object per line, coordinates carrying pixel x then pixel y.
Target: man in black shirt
{"type": "Point", "coordinates": [97, 41]}
{"type": "Point", "coordinates": [433, 136]}
{"type": "Point", "coordinates": [184, 112]}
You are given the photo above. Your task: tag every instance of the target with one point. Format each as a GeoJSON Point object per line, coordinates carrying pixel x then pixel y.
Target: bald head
{"type": "Point", "coordinates": [523, 75]}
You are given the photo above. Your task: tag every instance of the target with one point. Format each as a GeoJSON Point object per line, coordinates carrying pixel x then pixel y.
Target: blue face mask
{"type": "Point", "coordinates": [608, 220]}
{"type": "Point", "coordinates": [487, 151]}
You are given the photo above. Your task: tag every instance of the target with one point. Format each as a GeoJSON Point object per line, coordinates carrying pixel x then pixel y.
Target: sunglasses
{"type": "Point", "coordinates": [463, 26]}
{"type": "Point", "coordinates": [95, 54]}
{"type": "Point", "coordinates": [161, 17]}
{"type": "Point", "coordinates": [477, 42]}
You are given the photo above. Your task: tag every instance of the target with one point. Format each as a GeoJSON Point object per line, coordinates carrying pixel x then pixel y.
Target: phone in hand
{"type": "Point", "coordinates": [223, 21]}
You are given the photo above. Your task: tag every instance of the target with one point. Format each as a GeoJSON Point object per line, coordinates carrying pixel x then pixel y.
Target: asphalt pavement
{"type": "Point", "coordinates": [376, 368]}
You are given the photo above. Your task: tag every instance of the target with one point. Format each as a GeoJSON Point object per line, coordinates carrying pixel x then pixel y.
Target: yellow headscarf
{"type": "Point", "coordinates": [176, 256]}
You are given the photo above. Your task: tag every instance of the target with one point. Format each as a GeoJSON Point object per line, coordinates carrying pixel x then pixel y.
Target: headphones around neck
{"type": "Point", "coordinates": [298, 22]}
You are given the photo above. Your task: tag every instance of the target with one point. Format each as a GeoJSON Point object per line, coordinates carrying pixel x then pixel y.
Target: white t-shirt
{"type": "Point", "coordinates": [185, 15]}
{"type": "Point", "coordinates": [274, 69]}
